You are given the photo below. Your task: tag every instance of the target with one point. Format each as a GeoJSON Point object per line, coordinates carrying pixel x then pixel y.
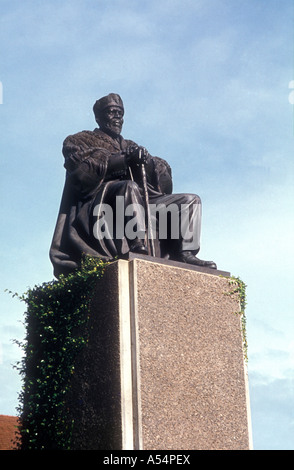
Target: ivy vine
{"type": "Point", "coordinates": [56, 330]}
{"type": "Point", "coordinates": [239, 288]}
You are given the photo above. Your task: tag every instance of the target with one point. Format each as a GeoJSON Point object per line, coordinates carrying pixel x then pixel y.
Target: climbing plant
{"type": "Point", "coordinates": [56, 321]}
{"type": "Point", "coordinates": [239, 288]}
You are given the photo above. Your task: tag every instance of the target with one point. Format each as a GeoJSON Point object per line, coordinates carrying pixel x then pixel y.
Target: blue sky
{"type": "Point", "coordinates": [205, 85]}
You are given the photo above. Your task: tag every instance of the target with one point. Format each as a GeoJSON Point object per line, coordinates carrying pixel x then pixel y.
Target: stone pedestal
{"type": "Point", "coordinates": [167, 361]}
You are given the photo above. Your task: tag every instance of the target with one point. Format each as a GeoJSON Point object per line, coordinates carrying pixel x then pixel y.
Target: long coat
{"type": "Point", "coordinates": [86, 161]}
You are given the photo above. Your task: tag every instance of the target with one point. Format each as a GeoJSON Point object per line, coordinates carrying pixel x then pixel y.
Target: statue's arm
{"type": "Point", "coordinates": [158, 171]}
{"type": "Point", "coordinates": [86, 164]}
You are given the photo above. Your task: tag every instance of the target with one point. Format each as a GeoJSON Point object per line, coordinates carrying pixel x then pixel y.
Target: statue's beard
{"type": "Point", "coordinates": [113, 127]}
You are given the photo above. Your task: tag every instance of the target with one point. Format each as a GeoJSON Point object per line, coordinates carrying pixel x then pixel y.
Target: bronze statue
{"type": "Point", "coordinates": [118, 199]}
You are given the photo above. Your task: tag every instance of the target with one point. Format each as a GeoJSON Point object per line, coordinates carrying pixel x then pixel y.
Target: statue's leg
{"type": "Point", "coordinates": [123, 199]}
{"type": "Point", "coordinates": [178, 220]}
{"type": "Point", "coordinates": [182, 215]}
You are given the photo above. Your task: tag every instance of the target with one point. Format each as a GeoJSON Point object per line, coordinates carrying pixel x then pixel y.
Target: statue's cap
{"type": "Point", "coordinates": [110, 100]}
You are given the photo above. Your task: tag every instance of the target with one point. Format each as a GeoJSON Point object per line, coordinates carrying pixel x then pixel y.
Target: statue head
{"type": "Point", "coordinates": [109, 112]}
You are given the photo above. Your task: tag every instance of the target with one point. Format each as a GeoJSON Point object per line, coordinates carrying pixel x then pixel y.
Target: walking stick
{"type": "Point", "coordinates": [150, 240]}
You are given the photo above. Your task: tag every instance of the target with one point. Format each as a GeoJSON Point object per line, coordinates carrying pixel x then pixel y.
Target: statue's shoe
{"type": "Point", "coordinates": [189, 258]}
{"type": "Point", "coordinates": [138, 246]}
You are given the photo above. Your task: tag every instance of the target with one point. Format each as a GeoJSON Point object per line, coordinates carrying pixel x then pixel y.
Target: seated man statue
{"type": "Point", "coordinates": [118, 199]}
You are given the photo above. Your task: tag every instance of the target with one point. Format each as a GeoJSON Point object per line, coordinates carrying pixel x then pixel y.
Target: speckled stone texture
{"type": "Point", "coordinates": [190, 363]}
{"type": "Point", "coordinates": [163, 368]}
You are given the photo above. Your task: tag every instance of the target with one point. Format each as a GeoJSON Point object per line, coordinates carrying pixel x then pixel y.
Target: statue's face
{"type": "Point", "coordinates": [111, 120]}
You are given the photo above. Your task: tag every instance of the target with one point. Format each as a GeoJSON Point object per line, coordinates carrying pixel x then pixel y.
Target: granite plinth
{"type": "Point", "coordinates": [167, 361]}
{"type": "Point", "coordinates": [192, 391]}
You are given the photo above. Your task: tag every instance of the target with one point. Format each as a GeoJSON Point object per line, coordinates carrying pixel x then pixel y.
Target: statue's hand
{"type": "Point", "coordinates": [137, 155]}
